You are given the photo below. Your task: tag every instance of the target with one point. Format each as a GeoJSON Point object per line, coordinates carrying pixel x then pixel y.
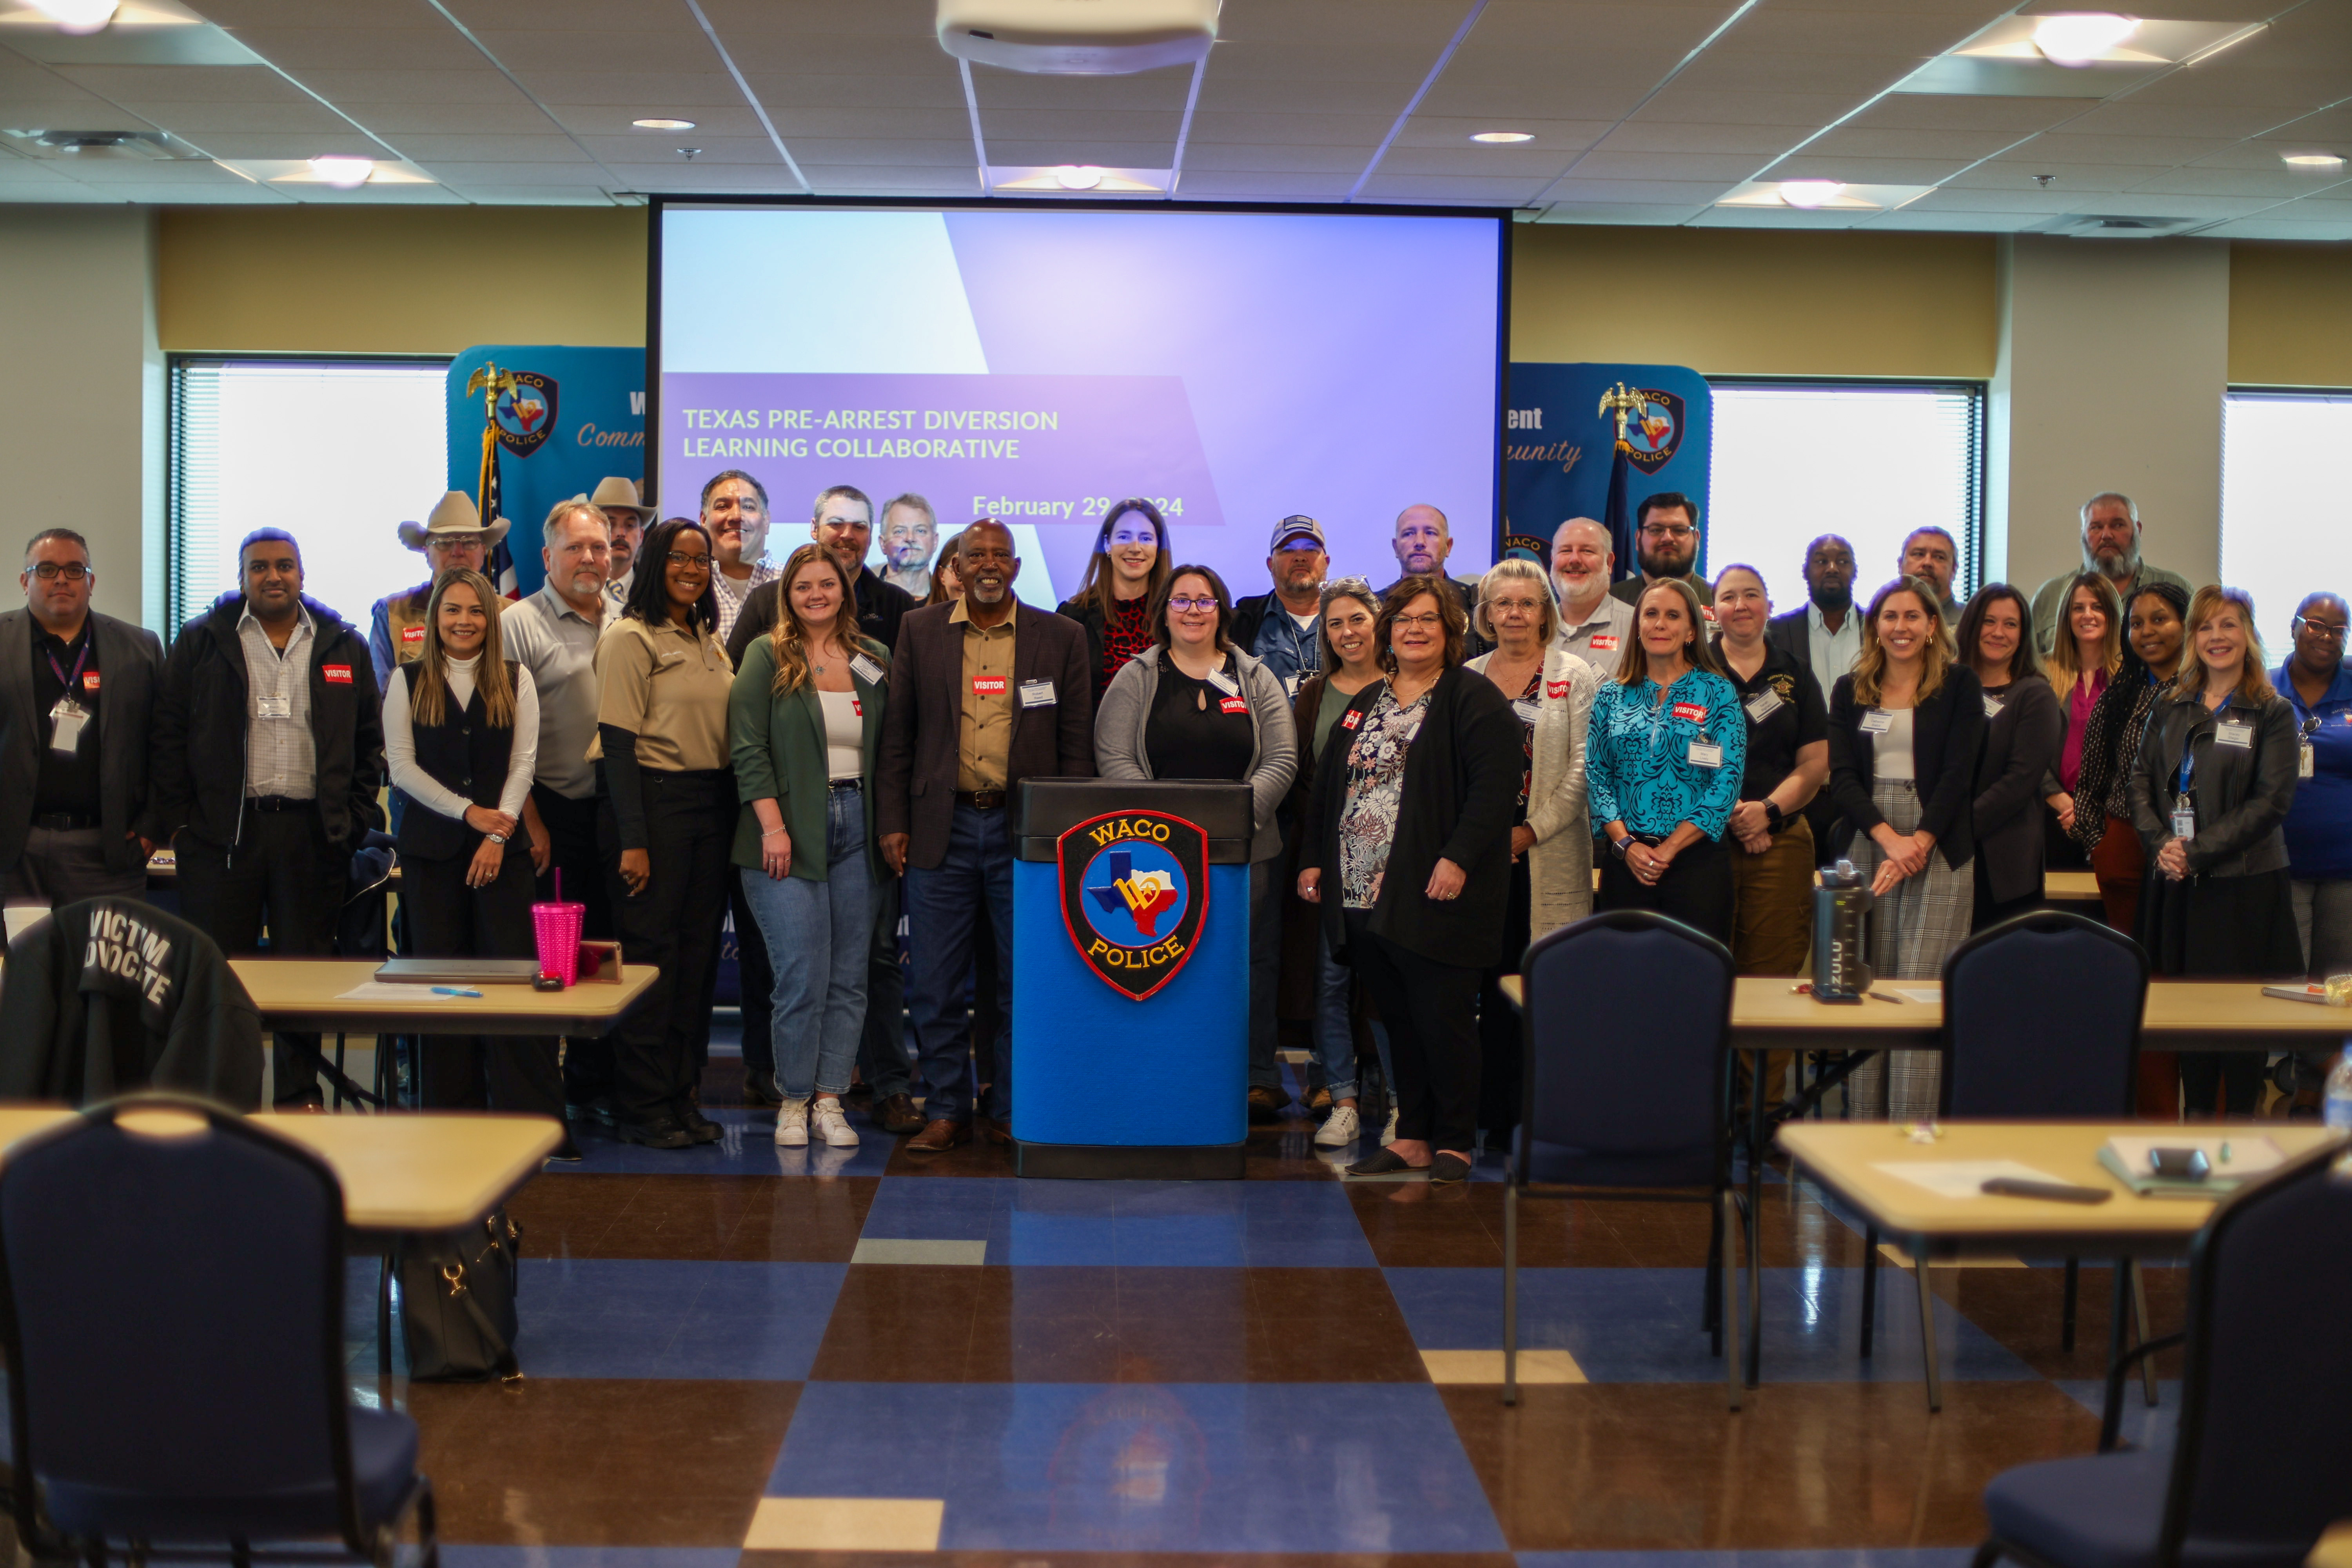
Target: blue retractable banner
{"type": "Point", "coordinates": [569, 418]}
{"type": "Point", "coordinates": [1559, 448]}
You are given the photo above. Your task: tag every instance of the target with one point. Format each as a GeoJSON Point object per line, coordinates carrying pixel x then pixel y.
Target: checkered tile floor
{"type": "Point", "coordinates": [743, 1353]}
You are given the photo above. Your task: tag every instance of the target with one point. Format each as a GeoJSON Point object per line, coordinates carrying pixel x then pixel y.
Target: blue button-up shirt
{"type": "Point", "coordinates": [2319, 826]}
{"type": "Point", "coordinates": [1291, 651]}
{"type": "Point", "coordinates": [1637, 763]}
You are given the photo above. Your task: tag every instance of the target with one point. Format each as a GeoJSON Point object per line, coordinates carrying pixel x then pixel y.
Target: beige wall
{"type": "Point", "coordinates": [2290, 314]}
{"type": "Point", "coordinates": [319, 280]}
{"type": "Point", "coordinates": [81, 407]}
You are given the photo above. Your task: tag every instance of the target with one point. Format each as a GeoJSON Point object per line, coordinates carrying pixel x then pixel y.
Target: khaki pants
{"type": "Point", "coordinates": [1771, 918]}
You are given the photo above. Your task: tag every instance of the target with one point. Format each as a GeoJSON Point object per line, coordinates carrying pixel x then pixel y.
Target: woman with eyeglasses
{"type": "Point", "coordinates": [2210, 793]}
{"type": "Point", "coordinates": [1193, 706]}
{"type": "Point", "coordinates": [1125, 577]}
{"type": "Point", "coordinates": [2087, 655]}
{"type": "Point", "coordinates": [2319, 828]}
{"type": "Point", "coordinates": [1406, 846]}
{"type": "Point", "coordinates": [1663, 764]}
{"type": "Point", "coordinates": [2025, 730]}
{"type": "Point", "coordinates": [666, 821]}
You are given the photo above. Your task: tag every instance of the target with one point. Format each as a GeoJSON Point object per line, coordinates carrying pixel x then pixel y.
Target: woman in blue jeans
{"type": "Point", "coordinates": [803, 722]}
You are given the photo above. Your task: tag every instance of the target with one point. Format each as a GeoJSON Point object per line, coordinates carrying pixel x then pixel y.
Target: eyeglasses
{"type": "Point", "coordinates": [51, 571]}
{"type": "Point", "coordinates": [1192, 603]}
{"type": "Point", "coordinates": [1666, 530]}
{"type": "Point", "coordinates": [2302, 624]}
{"type": "Point", "coordinates": [1500, 605]}
{"type": "Point", "coordinates": [1426, 623]}
{"type": "Point", "coordinates": [455, 542]}
{"type": "Point", "coordinates": [691, 562]}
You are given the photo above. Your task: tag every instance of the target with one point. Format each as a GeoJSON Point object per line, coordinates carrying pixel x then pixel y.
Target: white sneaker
{"type": "Point", "coordinates": [832, 1126]}
{"type": "Point", "coordinates": [1339, 1129]}
{"type": "Point", "coordinates": [791, 1124]}
{"type": "Point", "coordinates": [1388, 1133]}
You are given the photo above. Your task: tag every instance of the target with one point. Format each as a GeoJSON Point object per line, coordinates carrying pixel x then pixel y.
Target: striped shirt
{"type": "Point", "coordinates": [280, 757]}
{"type": "Point", "coordinates": [731, 594]}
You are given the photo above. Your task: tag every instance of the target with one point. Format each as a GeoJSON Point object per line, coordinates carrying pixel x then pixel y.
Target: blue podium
{"type": "Point", "coordinates": [1130, 978]}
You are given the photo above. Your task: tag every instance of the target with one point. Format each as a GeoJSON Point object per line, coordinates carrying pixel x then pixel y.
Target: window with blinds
{"type": "Point", "coordinates": [335, 452]}
{"type": "Point", "coordinates": [2287, 460]}
{"type": "Point", "coordinates": [1871, 461]}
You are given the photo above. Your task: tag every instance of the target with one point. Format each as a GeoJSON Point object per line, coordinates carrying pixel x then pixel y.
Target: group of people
{"type": "Point", "coordinates": [674, 726]}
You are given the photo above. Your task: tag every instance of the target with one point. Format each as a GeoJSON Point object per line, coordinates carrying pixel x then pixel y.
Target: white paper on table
{"type": "Point", "coordinates": [1926, 997]}
{"type": "Point", "coordinates": [2249, 1154]}
{"type": "Point", "coordinates": [1963, 1178]}
{"type": "Point", "coordinates": [385, 991]}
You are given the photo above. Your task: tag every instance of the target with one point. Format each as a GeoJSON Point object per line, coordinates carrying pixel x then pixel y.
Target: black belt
{"type": "Point", "coordinates": [980, 799]}
{"type": "Point", "coordinates": [279, 803]}
{"type": "Point", "coordinates": [845, 783]}
{"type": "Point", "coordinates": [64, 821]}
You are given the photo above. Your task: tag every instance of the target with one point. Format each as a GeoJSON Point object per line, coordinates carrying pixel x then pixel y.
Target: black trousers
{"type": "Point", "coordinates": [673, 925]}
{"type": "Point", "coordinates": [1501, 1050]}
{"type": "Point", "coordinates": [286, 874]}
{"type": "Point", "coordinates": [755, 984]}
{"type": "Point", "coordinates": [447, 919]}
{"type": "Point", "coordinates": [572, 841]}
{"type": "Point", "coordinates": [1430, 1010]}
{"type": "Point", "coordinates": [882, 1061]}
{"type": "Point", "coordinates": [1696, 888]}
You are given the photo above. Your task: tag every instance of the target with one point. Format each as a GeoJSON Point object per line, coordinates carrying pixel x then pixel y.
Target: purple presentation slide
{"type": "Point", "coordinates": [1038, 365]}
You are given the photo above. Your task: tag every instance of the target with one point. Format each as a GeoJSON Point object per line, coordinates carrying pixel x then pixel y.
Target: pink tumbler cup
{"type": "Point", "coordinates": [557, 927]}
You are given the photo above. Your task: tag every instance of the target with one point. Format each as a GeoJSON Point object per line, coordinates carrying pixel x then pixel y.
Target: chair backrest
{"type": "Point", "coordinates": [1628, 1021]}
{"type": "Point", "coordinates": [2041, 1017]}
{"type": "Point", "coordinates": [176, 1322]}
{"type": "Point", "coordinates": [2264, 1450]}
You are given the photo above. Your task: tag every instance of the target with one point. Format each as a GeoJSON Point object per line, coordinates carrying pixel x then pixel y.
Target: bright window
{"type": "Point", "coordinates": [2286, 459]}
{"type": "Point", "coordinates": [1869, 461]}
{"type": "Point", "coordinates": [337, 453]}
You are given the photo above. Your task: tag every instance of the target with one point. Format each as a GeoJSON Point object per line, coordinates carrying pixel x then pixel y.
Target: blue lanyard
{"type": "Point", "coordinates": [57, 669]}
{"type": "Point", "coordinates": [2187, 769]}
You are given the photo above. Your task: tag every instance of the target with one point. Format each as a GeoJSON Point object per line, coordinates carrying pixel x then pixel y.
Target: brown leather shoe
{"type": "Point", "coordinates": [896, 1115]}
{"type": "Point", "coordinates": [994, 1131]}
{"type": "Point", "coordinates": [938, 1137]}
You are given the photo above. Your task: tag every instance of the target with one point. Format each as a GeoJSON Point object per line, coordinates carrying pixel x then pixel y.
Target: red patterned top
{"type": "Point", "coordinates": [1127, 631]}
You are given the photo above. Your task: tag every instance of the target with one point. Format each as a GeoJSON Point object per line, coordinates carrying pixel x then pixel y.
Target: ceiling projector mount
{"type": "Point", "coordinates": [1078, 37]}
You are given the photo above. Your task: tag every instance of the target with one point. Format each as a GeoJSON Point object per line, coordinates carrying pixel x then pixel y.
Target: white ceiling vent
{"type": "Point", "coordinates": [1078, 37]}
{"type": "Point", "coordinates": [2092, 226]}
{"type": "Point", "coordinates": [110, 146]}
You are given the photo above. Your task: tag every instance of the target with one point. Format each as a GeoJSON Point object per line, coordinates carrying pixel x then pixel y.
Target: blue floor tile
{"type": "Point", "coordinates": [1642, 1325]}
{"type": "Point", "coordinates": [1827, 1557]}
{"type": "Point", "coordinates": [749, 1149]}
{"type": "Point", "coordinates": [629, 1318]}
{"type": "Point", "coordinates": [1141, 1467]}
{"type": "Point", "coordinates": [2141, 1427]}
{"type": "Point", "coordinates": [1199, 1225]}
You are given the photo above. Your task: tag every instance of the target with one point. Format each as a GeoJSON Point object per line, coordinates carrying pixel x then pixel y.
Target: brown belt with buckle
{"type": "Point", "coordinates": [980, 799]}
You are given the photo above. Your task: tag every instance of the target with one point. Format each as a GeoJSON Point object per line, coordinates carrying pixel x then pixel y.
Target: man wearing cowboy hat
{"type": "Point", "coordinates": [452, 538]}
{"type": "Point", "coordinates": [617, 499]}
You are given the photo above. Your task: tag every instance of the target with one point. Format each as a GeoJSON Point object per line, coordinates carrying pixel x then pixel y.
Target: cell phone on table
{"type": "Point", "coordinates": [2182, 1164]}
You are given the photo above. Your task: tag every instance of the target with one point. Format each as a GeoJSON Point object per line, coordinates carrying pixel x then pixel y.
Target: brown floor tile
{"type": "Point", "coordinates": [2024, 1309]}
{"type": "Point", "coordinates": [1121, 1560]}
{"type": "Point", "coordinates": [1412, 1226]}
{"type": "Point", "coordinates": [1664, 1466]}
{"type": "Point", "coordinates": [1339, 1325]}
{"type": "Point", "coordinates": [977, 1158]}
{"type": "Point", "coordinates": [599, 1462]}
{"type": "Point", "coordinates": [774, 1219]}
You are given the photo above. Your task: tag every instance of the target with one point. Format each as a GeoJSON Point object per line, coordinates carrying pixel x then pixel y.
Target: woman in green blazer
{"type": "Point", "coordinates": [803, 722]}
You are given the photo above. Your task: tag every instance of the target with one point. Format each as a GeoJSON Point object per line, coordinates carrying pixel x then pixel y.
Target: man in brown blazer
{"type": "Point", "coordinates": [984, 692]}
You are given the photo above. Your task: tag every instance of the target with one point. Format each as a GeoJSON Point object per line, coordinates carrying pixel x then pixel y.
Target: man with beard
{"type": "Point", "coordinates": [2111, 541]}
{"type": "Point", "coordinates": [452, 538]}
{"type": "Point", "coordinates": [984, 692]}
{"type": "Point", "coordinates": [910, 530]}
{"type": "Point", "coordinates": [1279, 626]}
{"type": "Point", "coordinates": [735, 513]}
{"type": "Point", "coordinates": [1825, 636]}
{"type": "Point", "coordinates": [621, 500]}
{"type": "Point", "coordinates": [1930, 555]}
{"type": "Point", "coordinates": [843, 522]}
{"type": "Point", "coordinates": [1665, 532]}
{"type": "Point", "coordinates": [1594, 623]}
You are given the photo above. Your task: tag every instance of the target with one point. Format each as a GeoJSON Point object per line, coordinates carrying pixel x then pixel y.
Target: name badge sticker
{"type": "Point", "coordinates": [89, 680]}
{"type": "Point", "coordinates": [412, 634]}
{"type": "Point", "coordinates": [1992, 707]}
{"type": "Point", "coordinates": [335, 674]}
{"type": "Point", "coordinates": [1224, 683]}
{"type": "Point", "coordinates": [1604, 642]}
{"type": "Point", "coordinates": [865, 669]}
{"type": "Point", "coordinates": [1527, 708]}
{"type": "Point", "coordinates": [1877, 721]}
{"type": "Point", "coordinates": [1694, 711]}
{"type": "Point", "coordinates": [1763, 705]}
{"type": "Point", "coordinates": [1036, 693]}
{"type": "Point", "coordinates": [1556, 689]}
{"type": "Point", "coordinates": [1348, 721]}
{"type": "Point", "coordinates": [988, 686]}
{"type": "Point", "coordinates": [1233, 704]}
{"type": "Point", "coordinates": [2234, 732]}
{"type": "Point", "coordinates": [1706, 754]}
{"type": "Point", "coordinates": [2306, 765]}
{"type": "Point", "coordinates": [856, 708]}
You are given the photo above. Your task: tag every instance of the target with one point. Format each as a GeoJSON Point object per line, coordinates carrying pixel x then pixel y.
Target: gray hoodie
{"type": "Point", "coordinates": [1125, 712]}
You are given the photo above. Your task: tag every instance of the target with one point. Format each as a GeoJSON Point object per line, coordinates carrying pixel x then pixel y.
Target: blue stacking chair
{"type": "Point", "coordinates": [2041, 1017]}
{"type": "Point", "coordinates": [174, 1323]}
{"type": "Point", "coordinates": [1627, 1017]}
{"type": "Point", "coordinates": [2262, 1463]}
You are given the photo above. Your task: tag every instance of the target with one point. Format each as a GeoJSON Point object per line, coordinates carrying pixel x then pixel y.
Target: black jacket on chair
{"type": "Point", "coordinates": [1948, 732]}
{"type": "Point", "coordinates": [130, 661]}
{"type": "Point", "coordinates": [2021, 746]}
{"type": "Point", "coordinates": [113, 994]}
{"type": "Point", "coordinates": [2242, 793]}
{"type": "Point", "coordinates": [1461, 785]}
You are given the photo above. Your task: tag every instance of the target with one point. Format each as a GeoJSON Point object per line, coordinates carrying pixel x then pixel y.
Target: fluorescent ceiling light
{"type": "Point", "coordinates": [662, 124]}
{"type": "Point", "coordinates": [2078, 38]}
{"type": "Point", "coordinates": [76, 15]}
{"type": "Point", "coordinates": [2313, 160]}
{"type": "Point", "coordinates": [1077, 176]}
{"type": "Point", "coordinates": [1851, 201]}
{"type": "Point", "coordinates": [1499, 136]}
{"type": "Point", "coordinates": [1810, 193]}
{"type": "Point", "coordinates": [344, 173]}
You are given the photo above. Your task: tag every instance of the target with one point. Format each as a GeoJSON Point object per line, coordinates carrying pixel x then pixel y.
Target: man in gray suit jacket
{"type": "Point", "coordinates": [76, 689]}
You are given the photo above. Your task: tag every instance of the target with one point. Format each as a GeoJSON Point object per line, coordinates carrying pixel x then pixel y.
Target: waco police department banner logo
{"type": "Point", "coordinates": [1134, 888]}
{"type": "Point", "coordinates": [1654, 433]}
{"type": "Point", "coordinates": [526, 415]}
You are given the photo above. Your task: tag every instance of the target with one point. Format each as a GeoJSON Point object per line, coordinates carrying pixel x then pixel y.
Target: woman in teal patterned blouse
{"type": "Point", "coordinates": [1663, 762]}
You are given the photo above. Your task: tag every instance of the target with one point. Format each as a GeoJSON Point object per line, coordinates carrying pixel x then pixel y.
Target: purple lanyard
{"type": "Point", "coordinates": [57, 669]}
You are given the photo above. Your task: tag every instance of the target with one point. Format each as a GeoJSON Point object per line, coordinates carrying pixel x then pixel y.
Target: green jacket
{"type": "Point", "coordinates": [779, 752]}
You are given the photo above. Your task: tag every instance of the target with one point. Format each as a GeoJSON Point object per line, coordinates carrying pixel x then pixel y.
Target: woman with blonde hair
{"type": "Point", "coordinates": [2084, 659]}
{"type": "Point", "coordinates": [2210, 793]}
{"type": "Point", "coordinates": [1904, 730]}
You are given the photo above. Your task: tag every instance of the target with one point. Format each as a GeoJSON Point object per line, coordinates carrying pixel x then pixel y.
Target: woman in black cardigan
{"type": "Point", "coordinates": [2024, 729]}
{"type": "Point", "coordinates": [1412, 823]}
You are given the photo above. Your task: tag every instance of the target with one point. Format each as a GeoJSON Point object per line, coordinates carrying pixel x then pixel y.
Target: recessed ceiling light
{"type": "Point", "coordinates": [1503, 136]}
{"type": "Point", "coordinates": [662, 124]}
{"type": "Point", "coordinates": [77, 16]}
{"type": "Point", "coordinates": [2313, 160]}
{"type": "Point", "coordinates": [1077, 176]}
{"type": "Point", "coordinates": [2078, 38]}
{"type": "Point", "coordinates": [1810, 193]}
{"type": "Point", "coordinates": [344, 173]}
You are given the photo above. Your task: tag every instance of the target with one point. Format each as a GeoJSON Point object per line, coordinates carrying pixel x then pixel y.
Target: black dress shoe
{"type": "Point", "coordinates": [896, 1115]}
{"type": "Point", "coordinates": [761, 1091]}
{"type": "Point", "coordinates": [569, 1155]}
{"type": "Point", "coordinates": [699, 1127]}
{"type": "Point", "coordinates": [661, 1132]}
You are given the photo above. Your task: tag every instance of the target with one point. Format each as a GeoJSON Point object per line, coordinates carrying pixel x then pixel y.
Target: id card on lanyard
{"type": "Point", "coordinates": [2184, 807]}
{"type": "Point", "coordinates": [67, 716]}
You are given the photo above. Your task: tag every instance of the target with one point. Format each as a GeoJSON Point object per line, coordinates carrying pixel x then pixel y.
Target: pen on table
{"type": "Point", "coordinates": [1875, 996]}
{"type": "Point", "coordinates": [455, 991]}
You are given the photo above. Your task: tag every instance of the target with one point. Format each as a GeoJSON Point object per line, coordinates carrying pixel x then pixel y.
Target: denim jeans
{"type": "Point", "coordinates": [973, 882]}
{"type": "Point", "coordinates": [1335, 1030]}
{"type": "Point", "coordinates": [818, 935]}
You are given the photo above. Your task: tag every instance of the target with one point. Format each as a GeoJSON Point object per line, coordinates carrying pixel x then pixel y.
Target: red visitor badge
{"type": "Point", "coordinates": [988, 686]}
{"type": "Point", "coordinates": [1555, 689]}
{"type": "Point", "coordinates": [1234, 705]}
{"type": "Point", "coordinates": [1347, 720]}
{"type": "Point", "coordinates": [336, 674]}
{"type": "Point", "coordinates": [1604, 642]}
{"type": "Point", "coordinates": [412, 634]}
{"type": "Point", "coordinates": [89, 680]}
{"type": "Point", "coordinates": [1694, 712]}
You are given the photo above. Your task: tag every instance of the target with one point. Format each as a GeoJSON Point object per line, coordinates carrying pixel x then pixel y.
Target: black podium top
{"type": "Point", "coordinates": [1047, 808]}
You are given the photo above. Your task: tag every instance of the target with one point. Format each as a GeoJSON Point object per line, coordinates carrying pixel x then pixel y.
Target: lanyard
{"type": "Point", "coordinates": [2188, 770]}
{"type": "Point", "coordinates": [57, 669]}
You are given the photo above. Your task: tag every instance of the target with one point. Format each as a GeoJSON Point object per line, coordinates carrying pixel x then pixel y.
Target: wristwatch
{"type": "Point", "coordinates": [495, 838]}
{"type": "Point", "coordinates": [1622, 845]}
{"type": "Point", "coordinates": [1773, 813]}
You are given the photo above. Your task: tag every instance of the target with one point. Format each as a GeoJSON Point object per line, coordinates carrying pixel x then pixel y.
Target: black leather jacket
{"type": "Point", "coordinates": [2242, 792]}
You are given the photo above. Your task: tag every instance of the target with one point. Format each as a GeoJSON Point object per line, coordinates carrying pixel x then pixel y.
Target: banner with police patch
{"type": "Point", "coordinates": [1135, 891]}
{"type": "Point", "coordinates": [544, 423]}
{"type": "Point", "coordinates": [1559, 447]}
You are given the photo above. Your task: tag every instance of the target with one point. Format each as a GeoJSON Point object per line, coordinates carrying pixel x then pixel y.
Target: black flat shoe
{"type": "Point", "coordinates": [1387, 1163]}
{"type": "Point", "coordinates": [699, 1127]}
{"type": "Point", "coordinates": [1448, 1169]}
{"type": "Point", "coordinates": [662, 1133]}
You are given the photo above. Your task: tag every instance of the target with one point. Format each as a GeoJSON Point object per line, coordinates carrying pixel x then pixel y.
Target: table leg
{"type": "Point", "coordinates": [383, 1332]}
{"type": "Point", "coordinates": [2111, 1413]}
{"type": "Point", "coordinates": [1755, 1226]}
{"type": "Point", "coordinates": [1927, 1337]}
{"type": "Point", "coordinates": [2139, 1328]}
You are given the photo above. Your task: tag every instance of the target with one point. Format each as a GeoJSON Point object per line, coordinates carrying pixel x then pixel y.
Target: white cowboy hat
{"type": "Point", "coordinates": [621, 495]}
{"type": "Point", "coordinates": [453, 513]}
